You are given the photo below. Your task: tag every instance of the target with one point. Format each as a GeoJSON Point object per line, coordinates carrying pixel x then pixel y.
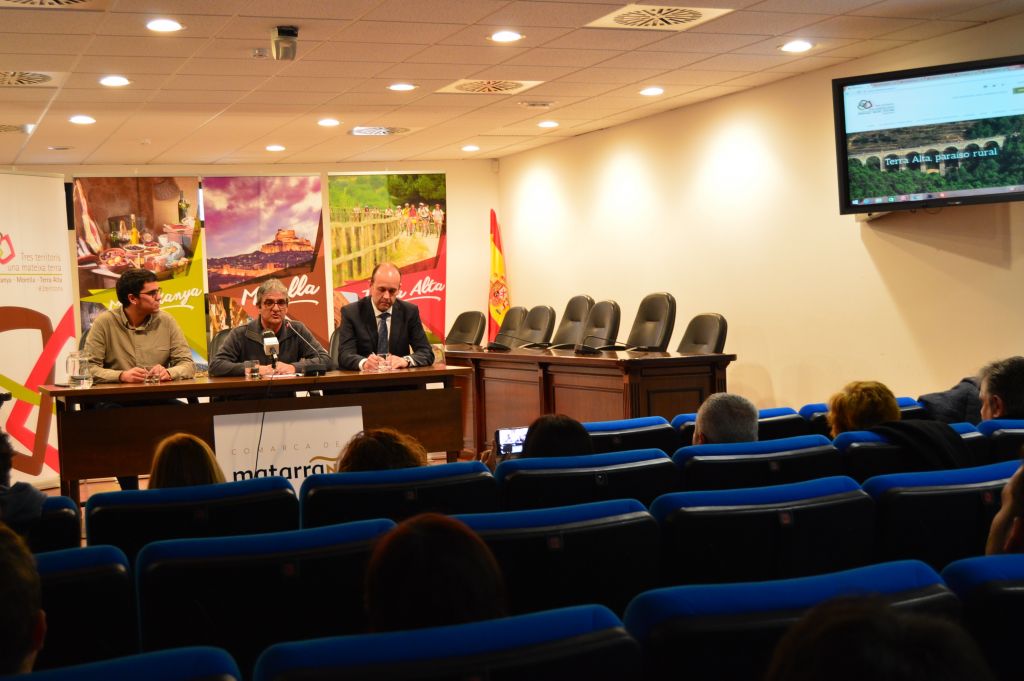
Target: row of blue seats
{"type": "Point", "coordinates": [206, 590]}
{"type": "Point", "coordinates": [721, 631]}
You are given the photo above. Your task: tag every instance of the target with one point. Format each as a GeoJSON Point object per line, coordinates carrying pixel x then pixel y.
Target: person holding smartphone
{"type": "Point", "coordinates": [549, 435]}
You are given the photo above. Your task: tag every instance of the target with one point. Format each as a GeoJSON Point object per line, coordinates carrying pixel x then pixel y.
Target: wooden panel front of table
{"type": "Point", "coordinates": [102, 442]}
{"type": "Point", "coordinates": [514, 388]}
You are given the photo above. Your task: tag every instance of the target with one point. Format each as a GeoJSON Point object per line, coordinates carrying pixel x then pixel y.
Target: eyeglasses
{"type": "Point", "coordinates": [270, 304]}
{"type": "Point", "coordinates": [153, 293]}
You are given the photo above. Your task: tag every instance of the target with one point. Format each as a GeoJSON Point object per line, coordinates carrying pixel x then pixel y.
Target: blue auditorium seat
{"type": "Point", "coordinates": [181, 664]}
{"type": "Point", "coordinates": [59, 526]}
{"type": "Point", "coordinates": [772, 424]}
{"type": "Point", "coordinates": [865, 454]}
{"type": "Point", "coordinates": [244, 593]}
{"type": "Point", "coordinates": [778, 531]}
{"type": "Point", "coordinates": [644, 432]}
{"type": "Point", "coordinates": [604, 552]}
{"type": "Point", "coordinates": [89, 601]}
{"type": "Point", "coordinates": [816, 413]}
{"type": "Point", "coordinates": [752, 464]}
{"type": "Point", "coordinates": [937, 516]}
{"type": "Point", "coordinates": [1005, 436]}
{"type": "Point", "coordinates": [541, 482]}
{"type": "Point", "coordinates": [712, 632]}
{"type": "Point", "coordinates": [582, 642]}
{"type": "Point", "coordinates": [132, 519]}
{"type": "Point", "coordinates": [464, 487]}
{"type": "Point", "coordinates": [991, 589]}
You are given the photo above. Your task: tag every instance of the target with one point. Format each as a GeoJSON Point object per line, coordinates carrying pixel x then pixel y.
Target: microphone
{"type": "Point", "coordinates": [583, 349]}
{"type": "Point", "coordinates": [271, 346]}
{"type": "Point", "coordinates": [495, 346]}
{"type": "Point", "coordinates": [313, 367]}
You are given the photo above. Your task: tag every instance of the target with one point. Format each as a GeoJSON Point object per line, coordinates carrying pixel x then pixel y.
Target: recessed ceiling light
{"type": "Point", "coordinates": [652, 91]}
{"type": "Point", "coordinates": [82, 119]}
{"type": "Point", "coordinates": [402, 87]}
{"type": "Point", "coordinates": [164, 25]}
{"type": "Point", "coordinates": [328, 122]}
{"type": "Point", "coordinates": [275, 147]}
{"type": "Point", "coordinates": [57, 147]}
{"type": "Point", "coordinates": [471, 147]}
{"type": "Point", "coordinates": [114, 81]}
{"type": "Point", "coordinates": [797, 46]}
{"type": "Point", "coordinates": [506, 36]}
{"type": "Point", "coordinates": [548, 124]}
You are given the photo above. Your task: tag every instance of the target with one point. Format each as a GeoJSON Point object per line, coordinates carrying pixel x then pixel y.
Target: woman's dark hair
{"type": "Point", "coordinates": [557, 435]}
{"type": "Point", "coordinates": [432, 570]}
{"type": "Point", "coordinates": [381, 449]}
{"type": "Point", "coordinates": [852, 639]}
{"type": "Point", "coordinates": [183, 460]}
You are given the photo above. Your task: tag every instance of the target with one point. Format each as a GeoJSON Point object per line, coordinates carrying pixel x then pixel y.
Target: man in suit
{"type": "Point", "coordinates": [381, 332]}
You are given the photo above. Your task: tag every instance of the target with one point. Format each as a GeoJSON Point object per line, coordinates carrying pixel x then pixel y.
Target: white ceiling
{"type": "Point", "coordinates": [198, 97]}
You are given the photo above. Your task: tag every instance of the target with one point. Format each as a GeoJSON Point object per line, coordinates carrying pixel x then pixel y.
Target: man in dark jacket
{"type": "Point", "coordinates": [298, 349]}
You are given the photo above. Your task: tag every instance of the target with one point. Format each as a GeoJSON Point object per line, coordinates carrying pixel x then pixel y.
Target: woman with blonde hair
{"type": "Point", "coordinates": [381, 449]}
{"type": "Point", "coordinates": [861, 405]}
{"type": "Point", "coordinates": [183, 460]}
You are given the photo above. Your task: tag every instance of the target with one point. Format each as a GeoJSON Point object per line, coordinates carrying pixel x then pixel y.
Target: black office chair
{"type": "Point", "coordinates": [705, 334]}
{"type": "Point", "coordinates": [537, 327]}
{"type": "Point", "coordinates": [510, 325]}
{"type": "Point", "coordinates": [653, 324]}
{"type": "Point", "coordinates": [574, 319]}
{"type": "Point", "coordinates": [602, 325]}
{"type": "Point", "coordinates": [335, 344]}
{"type": "Point", "coordinates": [468, 329]}
{"type": "Point", "coordinates": [217, 341]}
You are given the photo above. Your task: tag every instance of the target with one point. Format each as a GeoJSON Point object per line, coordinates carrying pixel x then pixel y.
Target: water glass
{"type": "Point", "coordinates": [384, 363]}
{"type": "Point", "coordinates": [77, 366]}
{"type": "Point", "coordinates": [151, 376]}
{"type": "Point", "coordinates": [438, 349]}
{"type": "Point", "coordinates": [252, 370]}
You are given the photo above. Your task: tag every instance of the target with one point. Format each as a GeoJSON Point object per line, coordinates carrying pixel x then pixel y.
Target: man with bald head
{"type": "Point", "coordinates": [380, 330]}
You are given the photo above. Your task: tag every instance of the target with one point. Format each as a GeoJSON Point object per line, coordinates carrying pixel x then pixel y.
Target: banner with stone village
{"type": "Point", "coordinates": [396, 218]}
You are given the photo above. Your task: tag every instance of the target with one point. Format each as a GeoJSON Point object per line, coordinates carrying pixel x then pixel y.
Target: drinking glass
{"type": "Point", "coordinates": [77, 366]}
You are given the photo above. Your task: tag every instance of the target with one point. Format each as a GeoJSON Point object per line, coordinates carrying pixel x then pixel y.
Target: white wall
{"type": "Point", "coordinates": [731, 205]}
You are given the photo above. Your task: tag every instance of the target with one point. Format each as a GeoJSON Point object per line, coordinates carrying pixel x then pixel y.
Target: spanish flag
{"type": "Point", "coordinates": [498, 297]}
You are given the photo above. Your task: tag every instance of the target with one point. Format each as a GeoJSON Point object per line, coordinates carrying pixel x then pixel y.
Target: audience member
{"type": "Point", "coordinates": [550, 435]}
{"type": "Point", "coordinates": [183, 460]}
{"type": "Point", "coordinates": [959, 404]}
{"type": "Point", "coordinates": [1002, 389]}
{"type": "Point", "coordinates": [861, 405]}
{"type": "Point", "coordinates": [724, 417]}
{"type": "Point", "coordinates": [431, 570]}
{"type": "Point", "coordinates": [381, 449]}
{"type": "Point", "coordinates": [21, 504]}
{"type": "Point", "coordinates": [22, 620]}
{"type": "Point", "coordinates": [851, 639]}
{"type": "Point", "coordinates": [1006, 535]}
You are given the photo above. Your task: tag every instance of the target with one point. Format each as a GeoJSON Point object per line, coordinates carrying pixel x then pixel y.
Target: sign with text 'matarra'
{"type": "Point", "coordinates": [293, 444]}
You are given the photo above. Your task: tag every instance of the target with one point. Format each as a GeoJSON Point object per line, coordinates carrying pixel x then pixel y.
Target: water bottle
{"type": "Point", "coordinates": [79, 375]}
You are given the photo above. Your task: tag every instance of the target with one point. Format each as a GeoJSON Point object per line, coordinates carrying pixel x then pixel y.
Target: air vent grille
{"type": "Point", "coordinates": [376, 131]}
{"type": "Point", "coordinates": [658, 18]}
{"type": "Point", "coordinates": [47, 3]}
{"type": "Point", "coordinates": [489, 87]}
{"type": "Point", "coordinates": [5, 127]}
{"type": "Point", "coordinates": [22, 78]}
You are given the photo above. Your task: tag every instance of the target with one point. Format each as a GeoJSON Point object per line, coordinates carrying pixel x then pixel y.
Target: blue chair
{"type": "Point", "coordinates": [59, 526]}
{"type": "Point", "coordinates": [775, 532]}
{"type": "Point", "coordinates": [244, 593]}
{"type": "Point", "coordinates": [772, 424]}
{"type": "Point", "coordinates": [89, 601]}
{"type": "Point", "coordinates": [991, 589]}
{"type": "Point", "coordinates": [816, 414]}
{"type": "Point", "coordinates": [645, 432]}
{"type": "Point", "coordinates": [865, 454]}
{"type": "Point", "coordinates": [543, 482]}
{"type": "Point", "coordinates": [729, 631]}
{"type": "Point", "coordinates": [465, 487]}
{"type": "Point", "coordinates": [754, 464]}
{"type": "Point", "coordinates": [1005, 437]}
{"type": "Point", "coordinates": [604, 553]}
{"type": "Point", "coordinates": [132, 519]}
{"type": "Point", "coordinates": [911, 408]}
{"type": "Point", "coordinates": [585, 641]}
{"type": "Point", "coordinates": [181, 664]}
{"type": "Point", "coordinates": [937, 516]}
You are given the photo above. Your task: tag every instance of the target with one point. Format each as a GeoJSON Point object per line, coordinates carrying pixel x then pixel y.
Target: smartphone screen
{"type": "Point", "coordinates": [508, 442]}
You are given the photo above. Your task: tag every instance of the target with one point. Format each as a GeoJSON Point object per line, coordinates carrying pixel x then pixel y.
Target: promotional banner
{"type": "Point", "coordinates": [37, 323]}
{"type": "Point", "coordinates": [391, 218]}
{"type": "Point", "coordinates": [294, 444]}
{"type": "Point", "coordinates": [260, 228]}
{"type": "Point", "coordinates": [147, 222]}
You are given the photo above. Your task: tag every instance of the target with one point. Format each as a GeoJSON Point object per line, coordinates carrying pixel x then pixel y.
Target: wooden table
{"type": "Point", "coordinates": [513, 388]}
{"type": "Point", "coordinates": [98, 442]}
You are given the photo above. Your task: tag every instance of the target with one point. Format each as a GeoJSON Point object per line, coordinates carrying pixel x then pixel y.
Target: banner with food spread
{"type": "Point", "coordinates": [147, 222]}
{"type": "Point", "coordinates": [391, 218]}
{"type": "Point", "coordinates": [260, 228]}
{"type": "Point", "coordinates": [37, 321]}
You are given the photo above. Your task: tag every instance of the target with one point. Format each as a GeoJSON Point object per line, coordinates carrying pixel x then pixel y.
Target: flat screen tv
{"type": "Point", "coordinates": [931, 137]}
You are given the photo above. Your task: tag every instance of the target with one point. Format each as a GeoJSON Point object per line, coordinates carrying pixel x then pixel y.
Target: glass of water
{"type": "Point", "coordinates": [77, 366]}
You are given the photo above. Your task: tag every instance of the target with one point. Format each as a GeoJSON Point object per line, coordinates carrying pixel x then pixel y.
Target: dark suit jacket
{"type": "Point", "coordinates": [358, 338]}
